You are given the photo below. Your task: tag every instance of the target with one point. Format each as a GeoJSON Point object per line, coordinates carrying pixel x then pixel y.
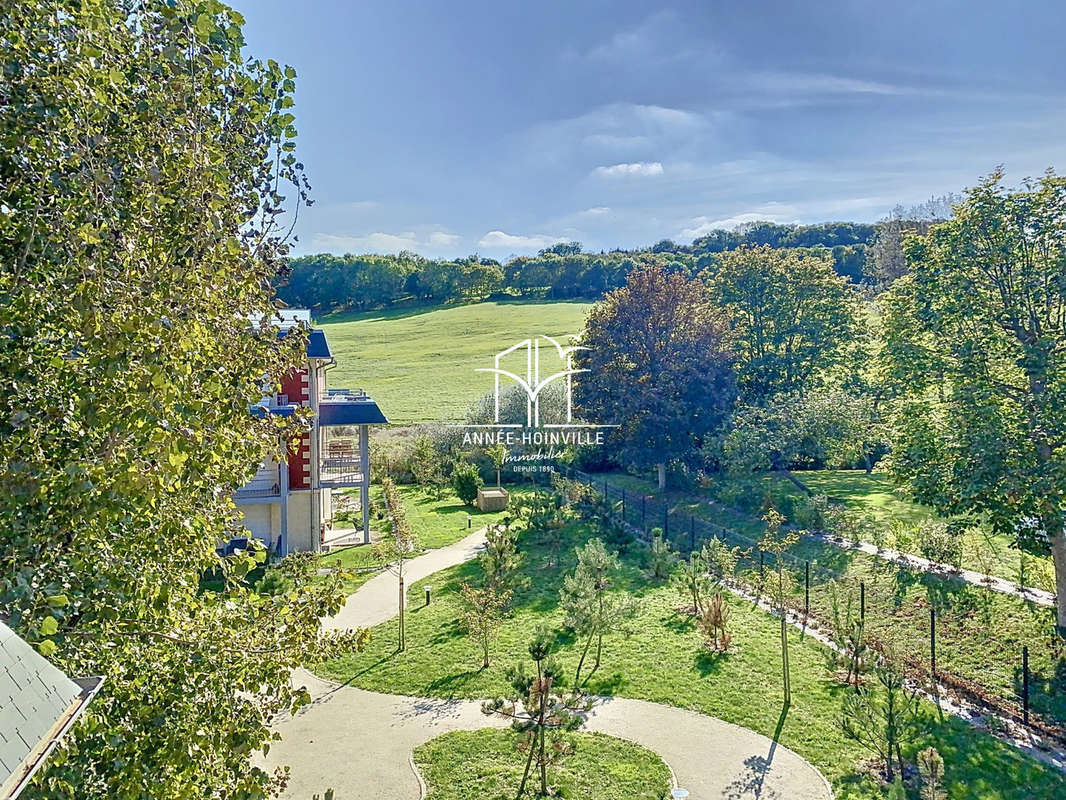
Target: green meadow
{"type": "Point", "coordinates": [419, 363]}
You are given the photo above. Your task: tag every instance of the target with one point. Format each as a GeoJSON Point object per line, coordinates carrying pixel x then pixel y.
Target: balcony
{"type": "Point", "coordinates": [265, 487]}
{"type": "Point", "coordinates": [341, 463]}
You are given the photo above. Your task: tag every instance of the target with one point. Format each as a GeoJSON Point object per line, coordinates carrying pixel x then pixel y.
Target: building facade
{"type": "Point", "coordinates": [289, 504]}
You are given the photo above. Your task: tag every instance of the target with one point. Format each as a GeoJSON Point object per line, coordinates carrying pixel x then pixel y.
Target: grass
{"type": "Point", "coordinates": [980, 633]}
{"type": "Point", "coordinates": [485, 764]}
{"type": "Point", "coordinates": [874, 496]}
{"type": "Point", "coordinates": [418, 364]}
{"type": "Point", "coordinates": [664, 661]}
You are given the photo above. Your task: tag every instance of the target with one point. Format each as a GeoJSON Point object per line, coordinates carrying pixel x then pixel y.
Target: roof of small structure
{"type": "Point", "coordinates": [38, 704]}
{"type": "Point", "coordinates": [347, 410]}
{"type": "Point", "coordinates": [317, 346]}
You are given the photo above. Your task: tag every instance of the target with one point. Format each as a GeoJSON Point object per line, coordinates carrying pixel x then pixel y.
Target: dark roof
{"type": "Point", "coordinates": [317, 346]}
{"type": "Point", "coordinates": [280, 411]}
{"type": "Point", "coordinates": [363, 411]}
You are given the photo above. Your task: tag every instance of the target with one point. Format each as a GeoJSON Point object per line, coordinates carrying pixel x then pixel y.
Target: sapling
{"type": "Point", "coordinates": [931, 768]}
{"type": "Point", "coordinates": [482, 614]}
{"type": "Point", "coordinates": [777, 540]}
{"type": "Point", "coordinates": [691, 581]}
{"type": "Point", "coordinates": [713, 623]}
{"type": "Point", "coordinates": [661, 558]}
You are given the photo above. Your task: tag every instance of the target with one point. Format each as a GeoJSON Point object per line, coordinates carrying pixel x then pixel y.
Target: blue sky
{"type": "Point", "coordinates": [500, 127]}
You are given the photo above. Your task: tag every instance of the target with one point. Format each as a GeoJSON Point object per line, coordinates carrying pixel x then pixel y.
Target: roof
{"type": "Point", "coordinates": [317, 346]}
{"type": "Point", "coordinates": [350, 411]}
{"type": "Point", "coordinates": [267, 411]}
{"type": "Point", "coordinates": [38, 704]}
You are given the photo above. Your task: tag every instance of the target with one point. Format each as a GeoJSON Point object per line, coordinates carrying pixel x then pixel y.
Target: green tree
{"type": "Point", "coordinates": [498, 454]}
{"type": "Point", "coordinates": [144, 162]}
{"type": "Point", "coordinates": [796, 321]}
{"type": "Point", "coordinates": [466, 480]}
{"type": "Point", "coordinates": [592, 610]}
{"type": "Point", "coordinates": [976, 344]}
{"type": "Point", "coordinates": [659, 367]}
{"type": "Point", "coordinates": [500, 560]}
{"type": "Point", "coordinates": [393, 553]}
{"type": "Point", "coordinates": [691, 581]}
{"type": "Point", "coordinates": [481, 614]}
{"type": "Point", "coordinates": [425, 462]}
{"type": "Point", "coordinates": [539, 710]}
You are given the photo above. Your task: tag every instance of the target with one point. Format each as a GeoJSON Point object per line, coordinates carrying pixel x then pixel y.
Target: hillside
{"type": "Point", "coordinates": [419, 363]}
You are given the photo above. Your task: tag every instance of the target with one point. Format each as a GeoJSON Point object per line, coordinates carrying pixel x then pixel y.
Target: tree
{"type": "Point", "coordinates": [498, 454]}
{"type": "Point", "coordinates": [592, 611]}
{"type": "Point", "coordinates": [659, 366]}
{"type": "Point", "coordinates": [931, 768]}
{"type": "Point", "coordinates": [482, 614]}
{"type": "Point", "coordinates": [425, 462]}
{"type": "Point", "coordinates": [539, 710]}
{"type": "Point", "coordinates": [466, 480]}
{"type": "Point", "coordinates": [661, 557]}
{"type": "Point", "coordinates": [500, 560]}
{"type": "Point", "coordinates": [713, 622]}
{"type": "Point", "coordinates": [976, 337]}
{"type": "Point", "coordinates": [883, 717]}
{"type": "Point", "coordinates": [794, 318]}
{"type": "Point", "coordinates": [778, 540]}
{"type": "Point", "coordinates": [848, 632]}
{"type": "Point", "coordinates": [690, 579]}
{"type": "Point", "coordinates": [393, 555]}
{"type": "Point", "coordinates": [143, 167]}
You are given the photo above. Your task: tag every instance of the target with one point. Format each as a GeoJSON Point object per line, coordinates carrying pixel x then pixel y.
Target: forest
{"type": "Point", "coordinates": [864, 253]}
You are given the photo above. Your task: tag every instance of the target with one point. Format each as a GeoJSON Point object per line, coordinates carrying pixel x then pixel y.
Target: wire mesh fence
{"type": "Point", "coordinates": [993, 649]}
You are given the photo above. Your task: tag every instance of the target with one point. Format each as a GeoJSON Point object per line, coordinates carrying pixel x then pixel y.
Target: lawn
{"type": "Point", "coordinates": [485, 764]}
{"type": "Point", "coordinates": [419, 363]}
{"type": "Point", "coordinates": [980, 633]}
{"type": "Point", "coordinates": [663, 660]}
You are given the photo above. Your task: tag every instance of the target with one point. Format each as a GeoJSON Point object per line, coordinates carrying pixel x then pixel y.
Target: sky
{"type": "Point", "coordinates": [499, 127]}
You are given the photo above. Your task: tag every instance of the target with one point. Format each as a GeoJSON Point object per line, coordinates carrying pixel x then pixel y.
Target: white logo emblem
{"type": "Point", "coordinates": [532, 384]}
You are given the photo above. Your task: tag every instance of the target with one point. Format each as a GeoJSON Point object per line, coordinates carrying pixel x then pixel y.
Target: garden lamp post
{"type": "Point", "coordinates": [428, 590]}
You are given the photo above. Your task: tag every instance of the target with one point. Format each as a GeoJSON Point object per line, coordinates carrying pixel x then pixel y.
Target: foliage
{"type": "Point", "coordinates": [712, 623]}
{"type": "Point", "coordinates": [931, 768]}
{"type": "Point", "coordinates": [661, 557]}
{"type": "Point", "coordinates": [143, 172]}
{"type": "Point", "coordinates": [500, 560]}
{"type": "Point", "coordinates": [498, 454]}
{"type": "Point", "coordinates": [721, 560]}
{"type": "Point", "coordinates": [657, 353]}
{"type": "Point", "coordinates": [592, 610]}
{"type": "Point", "coordinates": [691, 581]}
{"type": "Point", "coordinates": [794, 319]}
{"type": "Point", "coordinates": [425, 462]}
{"type": "Point", "coordinates": [466, 480]}
{"type": "Point", "coordinates": [482, 614]}
{"type": "Point", "coordinates": [539, 710]}
{"type": "Point", "coordinates": [393, 553]}
{"type": "Point", "coordinates": [883, 716]}
{"type": "Point", "coordinates": [848, 633]}
{"type": "Point", "coordinates": [939, 542]}
{"type": "Point", "coordinates": [777, 539]}
{"type": "Point", "coordinates": [811, 512]}
{"type": "Point", "coordinates": [975, 338]}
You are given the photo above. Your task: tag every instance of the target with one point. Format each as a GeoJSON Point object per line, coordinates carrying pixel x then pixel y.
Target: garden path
{"type": "Point", "coordinates": [360, 742]}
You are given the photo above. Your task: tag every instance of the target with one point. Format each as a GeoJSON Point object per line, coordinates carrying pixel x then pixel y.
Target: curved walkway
{"type": "Point", "coordinates": [360, 742]}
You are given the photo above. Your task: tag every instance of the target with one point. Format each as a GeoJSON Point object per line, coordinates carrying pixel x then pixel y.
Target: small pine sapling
{"type": "Point", "coordinates": [661, 558]}
{"type": "Point", "coordinates": [931, 769]}
{"type": "Point", "coordinates": [713, 622]}
{"type": "Point", "coordinates": [691, 581]}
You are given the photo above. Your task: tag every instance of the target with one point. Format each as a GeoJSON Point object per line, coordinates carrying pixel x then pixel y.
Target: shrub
{"type": "Point", "coordinates": [466, 480]}
{"type": "Point", "coordinates": [661, 558]}
{"type": "Point", "coordinates": [931, 768]}
{"type": "Point", "coordinates": [939, 542]}
{"type": "Point", "coordinates": [810, 512]}
{"type": "Point", "coordinates": [713, 621]}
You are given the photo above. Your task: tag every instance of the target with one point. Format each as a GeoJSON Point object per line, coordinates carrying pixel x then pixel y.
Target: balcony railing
{"type": "Point", "coordinates": [265, 484]}
{"type": "Point", "coordinates": [341, 470]}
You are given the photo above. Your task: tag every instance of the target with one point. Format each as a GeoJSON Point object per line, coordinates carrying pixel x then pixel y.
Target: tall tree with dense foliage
{"type": "Point", "coordinates": [795, 320]}
{"type": "Point", "coordinates": [659, 366]}
{"type": "Point", "coordinates": [977, 346]}
{"type": "Point", "coordinates": [143, 162]}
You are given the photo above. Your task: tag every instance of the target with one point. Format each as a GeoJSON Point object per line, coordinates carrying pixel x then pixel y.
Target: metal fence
{"type": "Point", "coordinates": [1022, 676]}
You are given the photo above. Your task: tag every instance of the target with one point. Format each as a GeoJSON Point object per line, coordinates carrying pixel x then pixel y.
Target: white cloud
{"type": "Point", "coordinates": [499, 239]}
{"type": "Point", "coordinates": [771, 212]}
{"type": "Point", "coordinates": [642, 169]}
{"type": "Point", "coordinates": [815, 83]}
{"type": "Point", "coordinates": [443, 238]}
{"type": "Point", "coordinates": [597, 211]}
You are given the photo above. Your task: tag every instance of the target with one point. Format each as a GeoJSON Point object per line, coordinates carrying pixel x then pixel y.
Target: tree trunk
{"type": "Point", "coordinates": [1058, 555]}
{"type": "Point", "coordinates": [661, 470]}
{"type": "Point", "coordinates": [784, 659]}
{"type": "Point", "coordinates": [525, 775]}
{"type": "Point", "coordinates": [581, 662]}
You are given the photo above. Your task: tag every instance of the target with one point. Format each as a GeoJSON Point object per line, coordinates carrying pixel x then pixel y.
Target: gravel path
{"type": "Point", "coordinates": [360, 742]}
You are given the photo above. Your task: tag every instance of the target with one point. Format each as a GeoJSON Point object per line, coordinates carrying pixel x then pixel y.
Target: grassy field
{"type": "Point", "coordinates": [419, 363]}
{"type": "Point", "coordinates": [664, 661]}
{"type": "Point", "coordinates": [485, 764]}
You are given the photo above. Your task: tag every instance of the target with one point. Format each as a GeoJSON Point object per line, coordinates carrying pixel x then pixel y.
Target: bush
{"type": "Point", "coordinates": [810, 513]}
{"type": "Point", "coordinates": [661, 558]}
{"type": "Point", "coordinates": [466, 480]}
{"type": "Point", "coordinates": [939, 542]}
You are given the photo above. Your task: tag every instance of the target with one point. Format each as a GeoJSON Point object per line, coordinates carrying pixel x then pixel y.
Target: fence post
{"type": "Point", "coordinates": [806, 588]}
{"type": "Point", "coordinates": [1025, 684]}
{"type": "Point", "coordinates": [862, 601]}
{"type": "Point", "coordinates": [643, 511]}
{"type": "Point", "coordinates": [691, 532]}
{"type": "Point", "coordinates": [932, 641]}
{"type": "Point", "coordinates": [762, 564]}
{"type": "Point", "coordinates": [666, 523]}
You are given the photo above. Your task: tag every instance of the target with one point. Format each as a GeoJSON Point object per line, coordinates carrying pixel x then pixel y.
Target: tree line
{"type": "Point", "coordinates": [863, 253]}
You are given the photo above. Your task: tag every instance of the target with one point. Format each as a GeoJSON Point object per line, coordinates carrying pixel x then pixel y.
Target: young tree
{"type": "Point", "coordinates": [883, 717]}
{"type": "Point", "coordinates": [143, 172]}
{"type": "Point", "coordinates": [482, 614]}
{"type": "Point", "coordinates": [659, 365]}
{"type": "Point", "coordinates": [848, 632]}
{"type": "Point", "coordinates": [466, 480]}
{"type": "Point", "coordinates": [690, 579]}
{"type": "Point", "coordinates": [393, 555]}
{"type": "Point", "coordinates": [592, 610]}
{"type": "Point", "coordinates": [778, 540]}
{"type": "Point", "coordinates": [500, 560]}
{"type": "Point", "coordinates": [425, 462]}
{"type": "Point", "coordinates": [931, 768]}
{"type": "Point", "coordinates": [795, 319]}
{"type": "Point", "coordinates": [713, 622]}
{"type": "Point", "coordinates": [498, 454]}
{"type": "Point", "coordinates": [540, 711]}
{"type": "Point", "coordinates": [721, 560]}
{"type": "Point", "coordinates": [976, 342]}
{"type": "Point", "coordinates": [661, 557]}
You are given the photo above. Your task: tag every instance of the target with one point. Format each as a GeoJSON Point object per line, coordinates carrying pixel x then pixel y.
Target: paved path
{"type": "Point", "coordinates": [360, 742]}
